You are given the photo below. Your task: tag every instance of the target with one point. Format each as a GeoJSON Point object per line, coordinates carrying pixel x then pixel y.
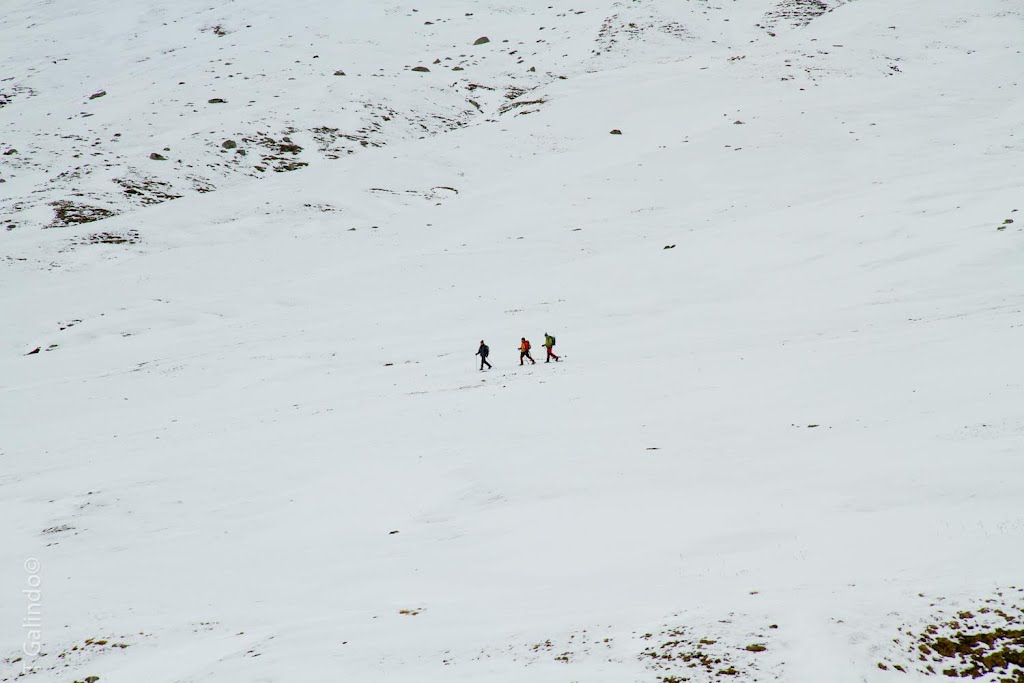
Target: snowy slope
{"type": "Point", "coordinates": [255, 443]}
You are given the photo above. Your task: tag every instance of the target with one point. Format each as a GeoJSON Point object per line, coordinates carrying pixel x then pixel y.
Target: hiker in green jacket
{"type": "Point", "coordinates": [549, 343]}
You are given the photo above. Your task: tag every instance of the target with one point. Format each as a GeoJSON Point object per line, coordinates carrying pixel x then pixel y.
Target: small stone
{"type": "Point", "coordinates": [339, 72]}
{"type": "Point", "coordinates": [616, 131]}
{"type": "Point", "coordinates": [421, 69]}
{"type": "Point", "coordinates": [229, 144]}
{"type": "Point", "coordinates": [532, 69]}
{"type": "Point", "coordinates": [738, 123]}
{"type": "Point", "coordinates": [482, 40]}
{"type": "Point", "coordinates": [457, 68]}
{"type": "Point", "coordinates": [157, 157]}
{"type": "Point", "coordinates": [217, 100]}
{"type": "Point", "coordinates": [10, 152]}
{"type": "Point", "coordinates": [96, 95]}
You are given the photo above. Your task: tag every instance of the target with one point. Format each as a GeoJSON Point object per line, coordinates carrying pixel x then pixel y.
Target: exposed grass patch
{"type": "Point", "coordinates": [985, 643]}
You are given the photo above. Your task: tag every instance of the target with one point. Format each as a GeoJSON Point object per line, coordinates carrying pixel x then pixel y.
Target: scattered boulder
{"type": "Point", "coordinates": [10, 152]}
{"type": "Point", "coordinates": [457, 68]}
{"type": "Point", "coordinates": [421, 69]}
{"type": "Point", "coordinates": [339, 72]}
{"type": "Point", "coordinates": [157, 157]}
{"type": "Point", "coordinates": [217, 100]}
{"type": "Point", "coordinates": [35, 350]}
{"type": "Point", "coordinates": [482, 40]}
{"type": "Point", "coordinates": [669, 246]}
{"type": "Point", "coordinates": [96, 95]}
{"type": "Point", "coordinates": [229, 144]}
{"type": "Point", "coordinates": [615, 131]}
{"type": "Point", "coordinates": [737, 122]}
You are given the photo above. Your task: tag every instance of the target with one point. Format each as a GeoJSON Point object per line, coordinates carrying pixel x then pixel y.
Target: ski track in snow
{"type": "Point", "coordinates": [255, 444]}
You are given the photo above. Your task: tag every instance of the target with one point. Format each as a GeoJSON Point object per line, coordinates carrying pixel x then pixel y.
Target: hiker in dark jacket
{"type": "Point", "coordinates": [483, 352]}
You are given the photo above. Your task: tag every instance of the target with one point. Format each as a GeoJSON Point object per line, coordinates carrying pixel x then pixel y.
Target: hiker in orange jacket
{"type": "Point", "coordinates": [524, 351]}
